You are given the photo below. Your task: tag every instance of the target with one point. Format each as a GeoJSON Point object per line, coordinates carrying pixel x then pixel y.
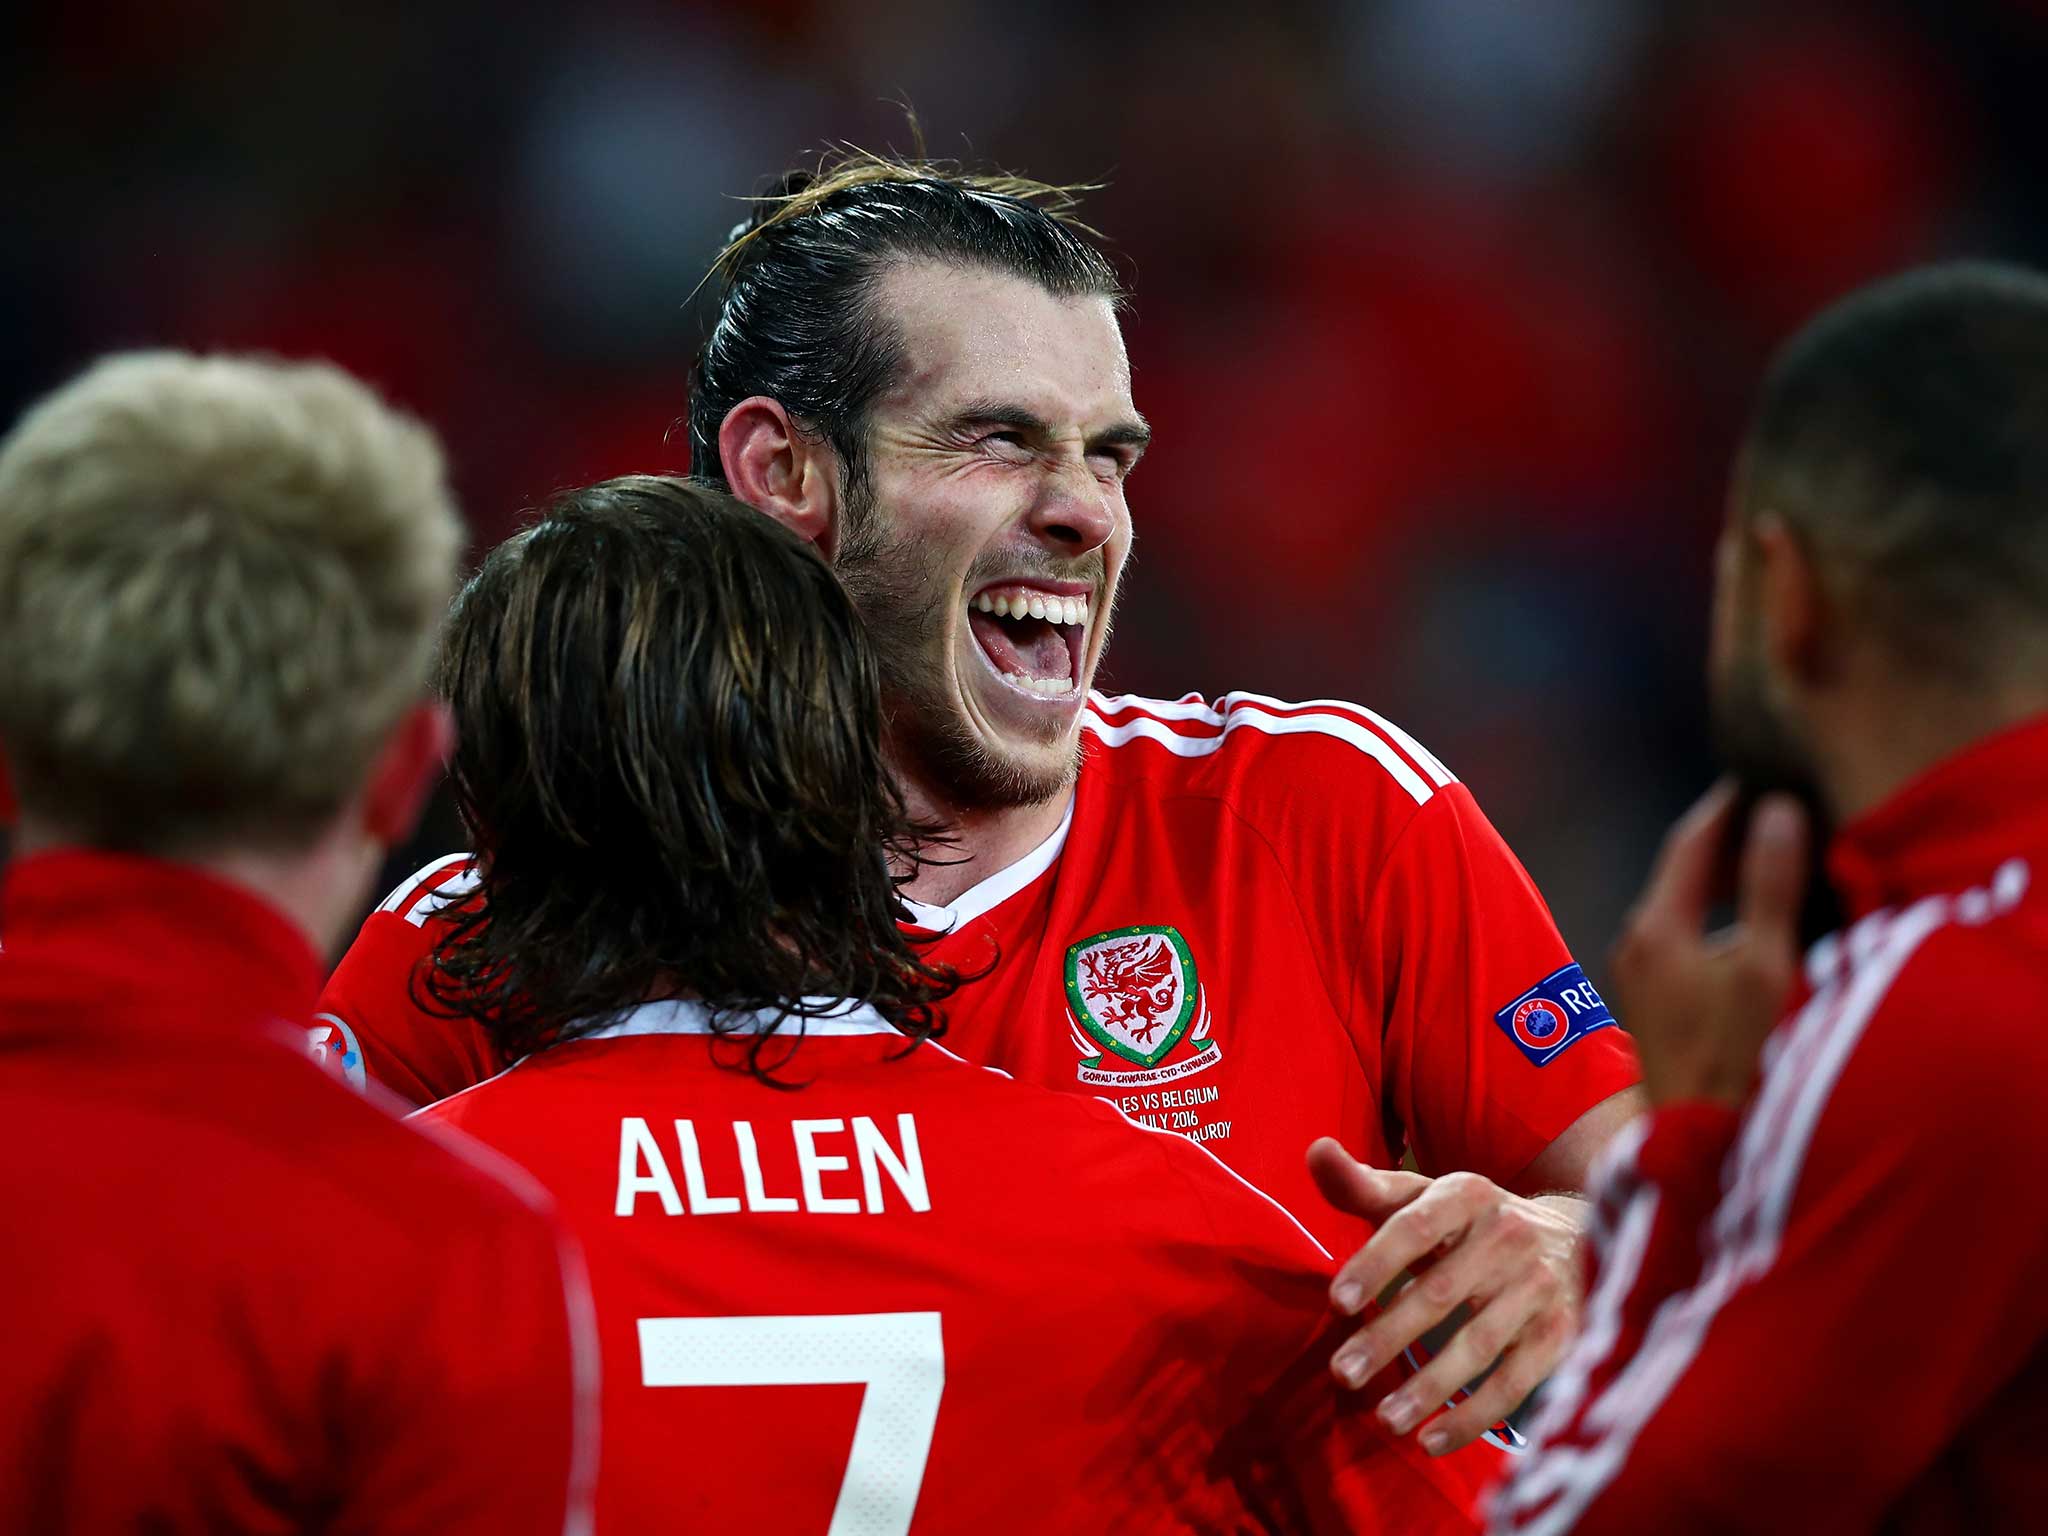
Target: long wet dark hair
{"type": "Point", "coordinates": [669, 757]}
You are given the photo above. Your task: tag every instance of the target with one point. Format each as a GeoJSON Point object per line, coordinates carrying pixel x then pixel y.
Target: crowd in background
{"type": "Point", "coordinates": [1445, 313]}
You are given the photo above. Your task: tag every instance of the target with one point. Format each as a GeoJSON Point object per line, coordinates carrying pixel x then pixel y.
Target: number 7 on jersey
{"type": "Point", "coordinates": [898, 1356]}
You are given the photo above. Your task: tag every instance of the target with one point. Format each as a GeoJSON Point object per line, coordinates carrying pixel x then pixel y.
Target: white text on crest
{"type": "Point", "coordinates": [643, 1169]}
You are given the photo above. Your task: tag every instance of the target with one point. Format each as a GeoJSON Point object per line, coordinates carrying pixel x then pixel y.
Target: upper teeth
{"type": "Point", "coordinates": [1035, 605]}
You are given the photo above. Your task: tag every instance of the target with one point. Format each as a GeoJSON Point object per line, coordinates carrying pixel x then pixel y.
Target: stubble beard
{"type": "Point", "coordinates": [1756, 744]}
{"type": "Point", "coordinates": [900, 594]}
{"type": "Point", "coordinates": [1765, 754]}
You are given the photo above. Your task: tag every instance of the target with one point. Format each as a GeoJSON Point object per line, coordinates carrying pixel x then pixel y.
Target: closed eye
{"type": "Point", "coordinates": [1008, 443]}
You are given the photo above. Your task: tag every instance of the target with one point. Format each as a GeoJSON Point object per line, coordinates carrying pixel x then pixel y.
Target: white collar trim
{"type": "Point", "coordinates": [986, 895]}
{"type": "Point", "coordinates": [684, 1016]}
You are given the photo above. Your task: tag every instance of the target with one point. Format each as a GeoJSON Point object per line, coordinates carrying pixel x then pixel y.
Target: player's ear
{"type": "Point", "coordinates": [1793, 602]}
{"type": "Point", "coordinates": [776, 469]}
{"type": "Point", "coordinates": [406, 771]}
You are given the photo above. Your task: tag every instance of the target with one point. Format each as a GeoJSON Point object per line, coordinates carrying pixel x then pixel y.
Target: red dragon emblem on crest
{"type": "Point", "coordinates": [1135, 983]}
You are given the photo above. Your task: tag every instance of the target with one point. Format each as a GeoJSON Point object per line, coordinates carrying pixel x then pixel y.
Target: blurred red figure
{"type": "Point", "coordinates": [1819, 1300]}
{"type": "Point", "coordinates": [239, 1297]}
{"type": "Point", "coordinates": [844, 1280]}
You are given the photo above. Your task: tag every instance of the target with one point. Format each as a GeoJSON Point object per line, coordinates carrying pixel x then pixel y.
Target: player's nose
{"type": "Point", "coordinates": [1075, 513]}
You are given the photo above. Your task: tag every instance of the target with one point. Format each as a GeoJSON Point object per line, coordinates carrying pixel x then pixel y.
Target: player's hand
{"type": "Point", "coordinates": [1699, 1005]}
{"type": "Point", "coordinates": [1513, 1261]}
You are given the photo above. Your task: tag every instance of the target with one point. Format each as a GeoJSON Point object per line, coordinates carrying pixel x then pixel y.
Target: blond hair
{"type": "Point", "coordinates": [220, 581]}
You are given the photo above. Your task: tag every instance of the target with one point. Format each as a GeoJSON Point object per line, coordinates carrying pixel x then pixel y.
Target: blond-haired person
{"type": "Point", "coordinates": [239, 1297]}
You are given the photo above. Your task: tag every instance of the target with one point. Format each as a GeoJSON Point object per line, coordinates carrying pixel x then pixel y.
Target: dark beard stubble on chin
{"type": "Point", "coordinates": [1764, 755]}
{"type": "Point", "coordinates": [1757, 747]}
{"type": "Point", "coordinates": [897, 591]}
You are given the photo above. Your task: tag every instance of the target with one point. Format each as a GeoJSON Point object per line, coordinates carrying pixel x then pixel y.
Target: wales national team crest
{"type": "Point", "coordinates": [1139, 1010]}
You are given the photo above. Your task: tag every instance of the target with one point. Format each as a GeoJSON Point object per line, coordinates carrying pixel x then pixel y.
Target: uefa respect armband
{"type": "Point", "coordinates": [1547, 1018]}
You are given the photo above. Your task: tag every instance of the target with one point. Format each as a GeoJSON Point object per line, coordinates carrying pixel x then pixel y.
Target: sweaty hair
{"type": "Point", "coordinates": [220, 580]}
{"type": "Point", "coordinates": [1904, 435]}
{"type": "Point", "coordinates": [798, 319]}
{"type": "Point", "coordinates": [669, 756]}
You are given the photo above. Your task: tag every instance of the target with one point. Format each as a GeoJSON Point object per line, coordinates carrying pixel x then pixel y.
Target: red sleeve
{"type": "Point", "coordinates": [488, 1423]}
{"type": "Point", "coordinates": [1797, 1359]}
{"type": "Point", "coordinates": [370, 1006]}
{"type": "Point", "coordinates": [1494, 1042]}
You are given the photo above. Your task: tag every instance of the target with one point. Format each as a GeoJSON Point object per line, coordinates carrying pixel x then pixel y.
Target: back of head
{"type": "Point", "coordinates": [219, 583]}
{"type": "Point", "coordinates": [670, 759]}
{"type": "Point", "coordinates": [797, 317]}
{"type": "Point", "coordinates": [1904, 435]}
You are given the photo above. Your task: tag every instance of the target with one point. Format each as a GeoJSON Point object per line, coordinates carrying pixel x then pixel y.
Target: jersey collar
{"type": "Point", "coordinates": [1951, 827]}
{"type": "Point", "coordinates": [988, 894]}
{"type": "Point", "coordinates": [683, 1016]}
{"type": "Point", "coordinates": [128, 922]}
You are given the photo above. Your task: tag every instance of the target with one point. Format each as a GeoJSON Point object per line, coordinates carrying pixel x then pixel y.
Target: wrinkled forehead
{"type": "Point", "coordinates": [970, 334]}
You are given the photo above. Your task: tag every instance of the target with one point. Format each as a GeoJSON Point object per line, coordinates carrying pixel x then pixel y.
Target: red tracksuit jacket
{"type": "Point", "coordinates": [237, 1296]}
{"type": "Point", "coordinates": [1831, 1312]}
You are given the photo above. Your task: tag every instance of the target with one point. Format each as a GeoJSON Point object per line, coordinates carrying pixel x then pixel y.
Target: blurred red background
{"type": "Point", "coordinates": [1447, 311]}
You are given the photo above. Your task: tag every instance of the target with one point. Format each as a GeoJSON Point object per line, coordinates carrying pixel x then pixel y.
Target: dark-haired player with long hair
{"type": "Point", "coordinates": [1252, 922]}
{"type": "Point", "coordinates": [844, 1281]}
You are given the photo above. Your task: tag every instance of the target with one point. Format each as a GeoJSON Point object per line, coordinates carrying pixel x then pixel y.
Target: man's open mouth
{"type": "Point", "coordinates": [1033, 636]}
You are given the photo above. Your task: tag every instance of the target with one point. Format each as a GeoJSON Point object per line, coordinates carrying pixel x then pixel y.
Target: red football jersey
{"type": "Point", "coordinates": [1828, 1314]}
{"type": "Point", "coordinates": [913, 1295]}
{"type": "Point", "coordinates": [239, 1298]}
{"type": "Point", "coordinates": [1260, 923]}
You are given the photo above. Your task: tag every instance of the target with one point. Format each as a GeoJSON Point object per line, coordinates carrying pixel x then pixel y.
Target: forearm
{"type": "Point", "coordinates": [1566, 1167]}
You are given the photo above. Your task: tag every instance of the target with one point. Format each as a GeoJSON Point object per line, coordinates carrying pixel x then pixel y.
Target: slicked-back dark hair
{"type": "Point", "coordinates": [669, 757]}
{"type": "Point", "coordinates": [797, 315]}
{"type": "Point", "coordinates": [1904, 434]}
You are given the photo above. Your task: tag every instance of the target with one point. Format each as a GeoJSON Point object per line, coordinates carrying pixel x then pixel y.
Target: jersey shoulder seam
{"type": "Point", "coordinates": [1194, 728]}
{"type": "Point", "coordinates": [430, 890]}
{"type": "Point", "coordinates": [1101, 1112]}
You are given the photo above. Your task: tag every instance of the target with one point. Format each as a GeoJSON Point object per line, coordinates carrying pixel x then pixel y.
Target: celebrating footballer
{"type": "Point", "coordinates": [1251, 922]}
